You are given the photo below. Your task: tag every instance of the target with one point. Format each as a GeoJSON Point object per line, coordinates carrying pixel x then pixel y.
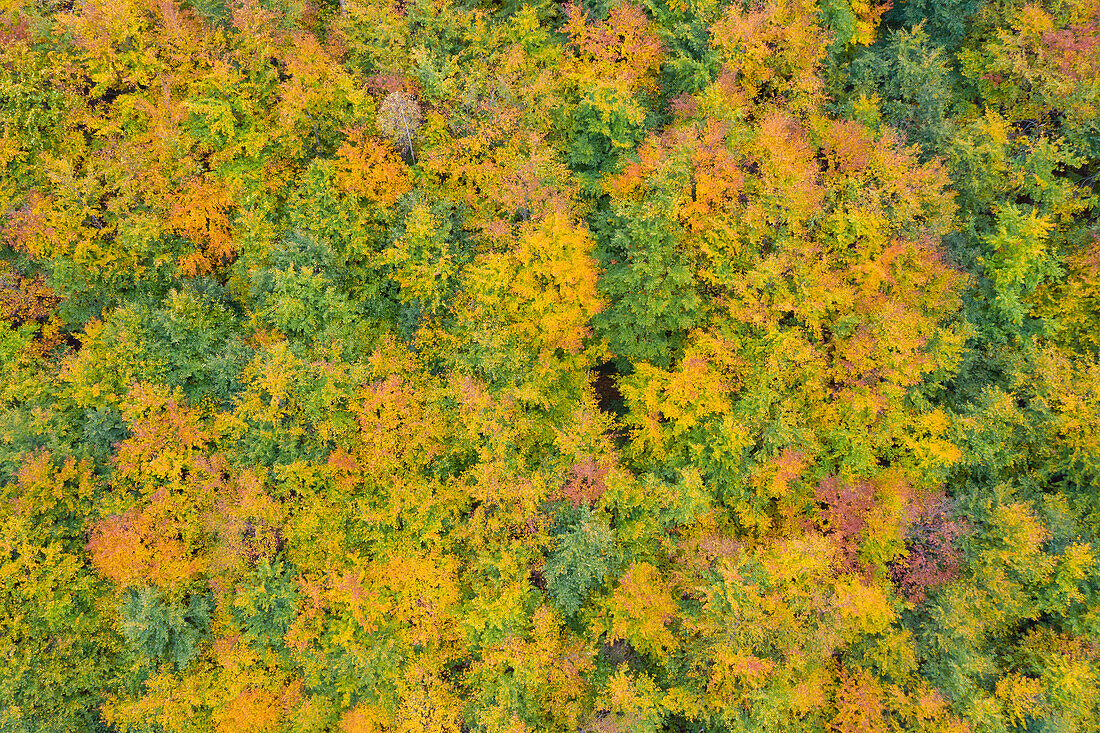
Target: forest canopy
{"type": "Point", "coordinates": [463, 366]}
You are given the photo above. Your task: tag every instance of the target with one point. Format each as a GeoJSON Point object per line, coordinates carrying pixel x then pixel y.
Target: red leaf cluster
{"type": "Point", "coordinates": [587, 483]}
{"type": "Point", "coordinates": [1075, 50]}
{"type": "Point", "coordinates": [933, 558]}
{"type": "Point", "coordinates": [844, 516]}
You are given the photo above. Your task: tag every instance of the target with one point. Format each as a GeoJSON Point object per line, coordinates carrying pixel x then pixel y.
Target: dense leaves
{"type": "Point", "coordinates": [470, 366]}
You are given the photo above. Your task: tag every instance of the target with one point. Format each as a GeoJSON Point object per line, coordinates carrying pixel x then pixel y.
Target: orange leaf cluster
{"type": "Point", "coordinates": [202, 214]}
{"type": "Point", "coordinates": [139, 547]}
{"type": "Point", "coordinates": [371, 169]}
{"type": "Point", "coordinates": [622, 47]}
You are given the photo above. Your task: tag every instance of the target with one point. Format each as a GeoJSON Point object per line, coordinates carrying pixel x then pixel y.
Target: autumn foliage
{"type": "Point", "coordinates": [497, 367]}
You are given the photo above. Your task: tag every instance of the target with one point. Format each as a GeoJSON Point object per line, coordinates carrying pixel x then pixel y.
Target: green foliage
{"type": "Point", "coordinates": [584, 557]}
{"type": "Point", "coordinates": [266, 603]}
{"type": "Point", "coordinates": [607, 123]}
{"type": "Point", "coordinates": [1012, 583]}
{"type": "Point", "coordinates": [946, 21]}
{"type": "Point", "coordinates": [655, 300]}
{"type": "Point", "coordinates": [1017, 262]}
{"type": "Point", "coordinates": [160, 629]}
{"type": "Point", "coordinates": [907, 81]}
{"type": "Point", "coordinates": [282, 397]}
{"type": "Point", "coordinates": [428, 254]}
{"type": "Point", "coordinates": [103, 428]}
{"type": "Point", "coordinates": [300, 301]}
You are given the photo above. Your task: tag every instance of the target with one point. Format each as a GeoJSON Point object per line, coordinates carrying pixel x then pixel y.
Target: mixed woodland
{"type": "Point", "coordinates": [478, 366]}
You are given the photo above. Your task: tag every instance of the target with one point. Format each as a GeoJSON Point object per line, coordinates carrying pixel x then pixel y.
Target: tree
{"type": "Point", "coordinates": [581, 562]}
{"type": "Point", "coordinates": [60, 647]}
